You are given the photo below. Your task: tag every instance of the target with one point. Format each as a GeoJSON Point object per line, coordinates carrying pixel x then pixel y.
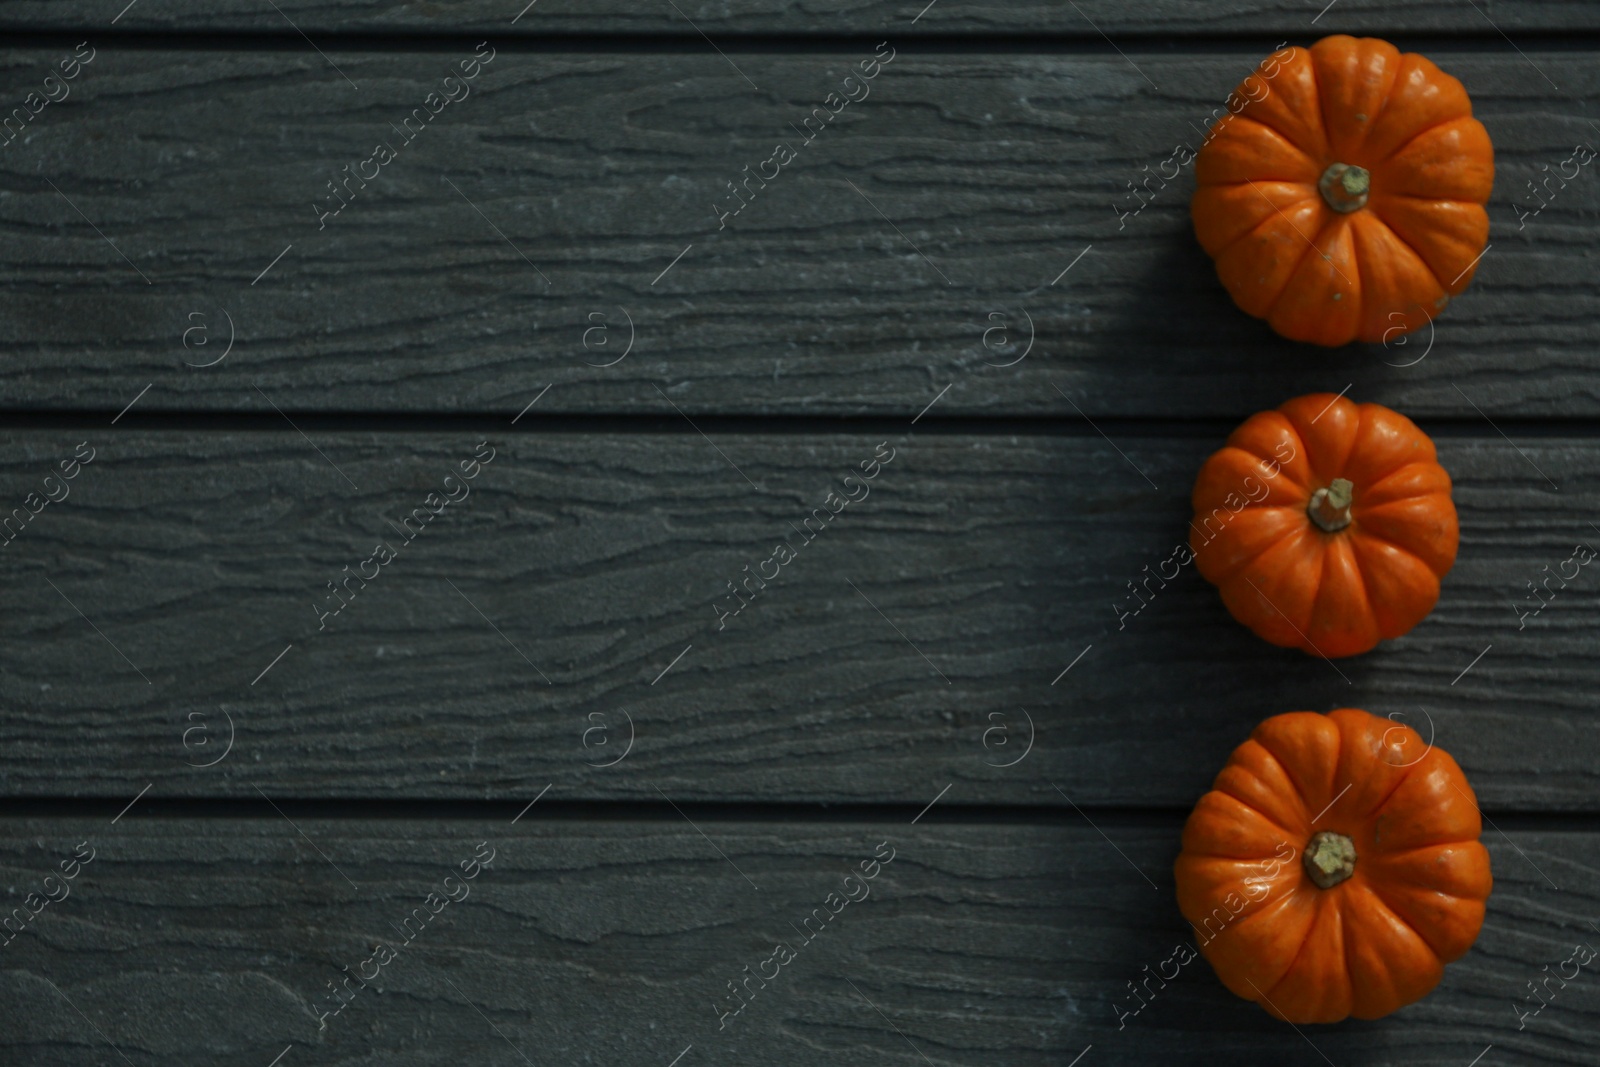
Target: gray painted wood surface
{"type": "Point", "coordinates": [904, 649]}
{"type": "Point", "coordinates": [562, 614]}
{"type": "Point", "coordinates": [206, 941]}
{"type": "Point", "coordinates": [578, 181]}
{"type": "Point", "coordinates": [903, 18]}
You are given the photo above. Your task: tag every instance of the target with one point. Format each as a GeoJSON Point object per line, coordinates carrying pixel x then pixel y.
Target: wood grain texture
{"type": "Point", "coordinates": [579, 180]}
{"type": "Point", "coordinates": [563, 594]}
{"type": "Point", "coordinates": [904, 18]}
{"type": "Point", "coordinates": [198, 942]}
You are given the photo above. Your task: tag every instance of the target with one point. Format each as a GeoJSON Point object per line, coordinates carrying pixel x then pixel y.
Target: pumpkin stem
{"type": "Point", "coordinates": [1345, 187]}
{"type": "Point", "coordinates": [1330, 858]}
{"type": "Point", "coordinates": [1330, 507]}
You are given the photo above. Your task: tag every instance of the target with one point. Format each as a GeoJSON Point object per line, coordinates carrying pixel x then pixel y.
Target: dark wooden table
{"type": "Point", "coordinates": [283, 348]}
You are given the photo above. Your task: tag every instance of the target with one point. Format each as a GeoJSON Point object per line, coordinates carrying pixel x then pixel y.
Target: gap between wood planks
{"type": "Point", "coordinates": [952, 42]}
{"type": "Point", "coordinates": [552, 810]}
{"type": "Point", "coordinates": [1043, 425]}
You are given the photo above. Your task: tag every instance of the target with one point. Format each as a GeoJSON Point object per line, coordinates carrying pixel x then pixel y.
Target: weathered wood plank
{"type": "Point", "coordinates": [904, 18]}
{"type": "Point", "coordinates": [509, 644]}
{"type": "Point", "coordinates": [195, 942]}
{"type": "Point", "coordinates": [584, 198]}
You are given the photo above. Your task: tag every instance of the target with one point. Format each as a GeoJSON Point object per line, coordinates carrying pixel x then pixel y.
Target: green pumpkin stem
{"type": "Point", "coordinates": [1345, 187]}
{"type": "Point", "coordinates": [1330, 507]}
{"type": "Point", "coordinates": [1330, 858]}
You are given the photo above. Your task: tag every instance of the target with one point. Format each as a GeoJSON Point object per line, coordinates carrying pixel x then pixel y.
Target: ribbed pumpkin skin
{"type": "Point", "coordinates": [1373, 274]}
{"type": "Point", "coordinates": [1295, 585]}
{"type": "Point", "coordinates": [1373, 943]}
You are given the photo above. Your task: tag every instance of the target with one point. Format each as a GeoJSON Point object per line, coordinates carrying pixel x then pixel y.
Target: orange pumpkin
{"type": "Point", "coordinates": [1334, 868]}
{"type": "Point", "coordinates": [1343, 199]}
{"type": "Point", "coordinates": [1326, 525]}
